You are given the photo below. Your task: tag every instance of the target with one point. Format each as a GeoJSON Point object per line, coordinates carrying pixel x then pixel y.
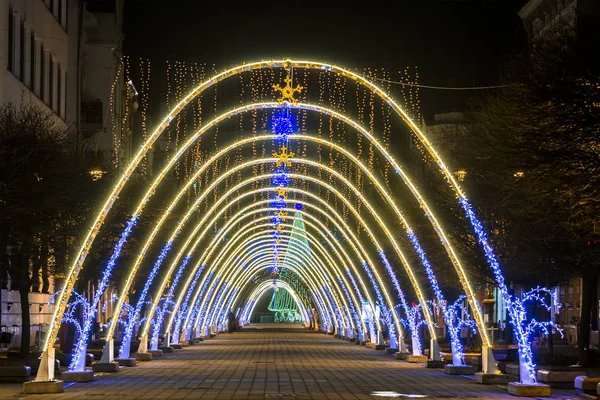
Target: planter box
{"type": "Point", "coordinates": [529, 390]}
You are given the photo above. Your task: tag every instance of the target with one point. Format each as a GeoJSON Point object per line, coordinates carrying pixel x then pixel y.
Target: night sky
{"type": "Point", "coordinates": [453, 43]}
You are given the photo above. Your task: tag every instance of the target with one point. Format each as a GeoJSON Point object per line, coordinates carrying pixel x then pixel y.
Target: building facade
{"type": "Point", "coordinates": [541, 17]}
{"type": "Point", "coordinates": [35, 48]}
{"type": "Point", "coordinates": [65, 57]}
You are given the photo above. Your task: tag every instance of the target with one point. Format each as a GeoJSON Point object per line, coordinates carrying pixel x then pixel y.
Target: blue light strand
{"type": "Point", "coordinates": [414, 321]}
{"type": "Point", "coordinates": [352, 308]}
{"type": "Point", "coordinates": [327, 320]}
{"type": "Point", "coordinates": [225, 312]}
{"type": "Point", "coordinates": [414, 331]}
{"type": "Point", "coordinates": [372, 330]}
{"type": "Point", "coordinates": [386, 314]}
{"type": "Point", "coordinates": [133, 318]}
{"type": "Point", "coordinates": [325, 288]}
{"type": "Point", "coordinates": [344, 312]}
{"type": "Point", "coordinates": [80, 349]}
{"type": "Point", "coordinates": [458, 357]}
{"type": "Point", "coordinates": [212, 317]}
{"type": "Point", "coordinates": [246, 311]}
{"type": "Point", "coordinates": [163, 310]}
{"type": "Point", "coordinates": [183, 309]}
{"type": "Point", "coordinates": [201, 315]}
{"type": "Point", "coordinates": [454, 313]}
{"type": "Point", "coordinates": [196, 308]}
{"type": "Point", "coordinates": [109, 301]}
{"type": "Point", "coordinates": [514, 306]}
{"type": "Point", "coordinates": [69, 316]}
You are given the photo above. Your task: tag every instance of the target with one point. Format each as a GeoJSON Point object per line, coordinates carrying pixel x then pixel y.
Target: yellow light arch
{"type": "Point", "coordinates": [86, 245]}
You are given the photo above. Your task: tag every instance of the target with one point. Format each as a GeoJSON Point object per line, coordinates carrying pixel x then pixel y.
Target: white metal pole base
{"type": "Point", "coordinates": [489, 375]}
{"type": "Point", "coordinates": [435, 358]}
{"type": "Point", "coordinates": [143, 348]}
{"type": "Point", "coordinates": [107, 362]}
{"type": "Point", "coordinates": [488, 363]}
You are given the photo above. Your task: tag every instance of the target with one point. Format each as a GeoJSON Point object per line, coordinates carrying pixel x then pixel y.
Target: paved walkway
{"type": "Point", "coordinates": [274, 363]}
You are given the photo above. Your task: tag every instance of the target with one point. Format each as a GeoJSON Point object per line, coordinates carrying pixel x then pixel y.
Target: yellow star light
{"type": "Point", "coordinates": [284, 157]}
{"type": "Point", "coordinates": [282, 192]}
{"type": "Point", "coordinates": [287, 91]}
{"type": "Point", "coordinates": [281, 214]}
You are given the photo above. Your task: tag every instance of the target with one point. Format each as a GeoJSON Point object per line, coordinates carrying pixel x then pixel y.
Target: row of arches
{"type": "Point", "coordinates": [342, 277]}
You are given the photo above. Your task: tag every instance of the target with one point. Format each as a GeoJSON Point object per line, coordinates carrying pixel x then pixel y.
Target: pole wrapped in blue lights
{"type": "Point", "coordinates": [371, 325]}
{"type": "Point", "coordinates": [160, 314]}
{"type": "Point", "coordinates": [414, 320]}
{"type": "Point", "coordinates": [245, 318]}
{"type": "Point", "coordinates": [458, 357]}
{"type": "Point", "coordinates": [132, 319]}
{"type": "Point", "coordinates": [70, 315]}
{"type": "Point", "coordinates": [326, 319]}
{"type": "Point", "coordinates": [515, 306]}
{"type": "Point", "coordinates": [80, 349]}
{"type": "Point", "coordinates": [212, 316]}
{"type": "Point", "coordinates": [384, 310]}
{"type": "Point", "coordinates": [454, 313]}
{"type": "Point", "coordinates": [414, 331]}
{"type": "Point", "coordinates": [200, 317]}
{"type": "Point", "coordinates": [357, 320]}
{"type": "Point", "coordinates": [183, 309]}
{"type": "Point", "coordinates": [339, 317]}
{"type": "Point", "coordinates": [196, 309]}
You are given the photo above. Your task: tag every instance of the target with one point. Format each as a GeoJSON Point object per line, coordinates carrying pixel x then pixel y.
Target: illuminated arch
{"type": "Point", "coordinates": [275, 105]}
{"type": "Point", "coordinates": [240, 247]}
{"type": "Point", "coordinates": [263, 287]}
{"type": "Point", "coordinates": [351, 157]}
{"type": "Point", "coordinates": [240, 231]}
{"type": "Point", "coordinates": [74, 270]}
{"type": "Point", "coordinates": [260, 245]}
{"type": "Point", "coordinates": [264, 260]}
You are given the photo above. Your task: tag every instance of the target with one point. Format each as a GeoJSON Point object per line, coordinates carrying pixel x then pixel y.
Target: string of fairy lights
{"type": "Point", "coordinates": [178, 75]}
{"type": "Point", "coordinates": [282, 126]}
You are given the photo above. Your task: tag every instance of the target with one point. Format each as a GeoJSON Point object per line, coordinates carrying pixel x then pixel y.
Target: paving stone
{"type": "Point", "coordinates": [285, 363]}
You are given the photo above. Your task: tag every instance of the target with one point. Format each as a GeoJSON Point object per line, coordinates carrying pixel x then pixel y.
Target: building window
{"type": "Point", "coordinates": [59, 92]}
{"type": "Point", "coordinates": [51, 83]}
{"type": "Point", "coordinates": [11, 40]}
{"type": "Point", "coordinates": [22, 52]}
{"type": "Point", "coordinates": [32, 58]}
{"type": "Point", "coordinates": [42, 72]}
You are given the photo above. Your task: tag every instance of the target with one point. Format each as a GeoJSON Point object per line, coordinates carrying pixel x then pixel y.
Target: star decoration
{"type": "Point", "coordinates": [287, 91]}
{"type": "Point", "coordinates": [281, 214]}
{"type": "Point", "coordinates": [282, 192]}
{"type": "Point", "coordinates": [284, 157]}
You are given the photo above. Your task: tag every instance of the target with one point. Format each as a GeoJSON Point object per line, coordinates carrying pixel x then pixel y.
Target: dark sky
{"type": "Point", "coordinates": [453, 43]}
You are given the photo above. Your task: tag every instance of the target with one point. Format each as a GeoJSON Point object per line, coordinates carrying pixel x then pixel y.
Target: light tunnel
{"type": "Point", "coordinates": [338, 290]}
{"type": "Point", "coordinates": [262, 288]}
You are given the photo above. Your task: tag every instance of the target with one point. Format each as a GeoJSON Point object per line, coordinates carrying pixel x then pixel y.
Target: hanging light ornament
{"type": "Point", "coordinates": [282, 126]}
